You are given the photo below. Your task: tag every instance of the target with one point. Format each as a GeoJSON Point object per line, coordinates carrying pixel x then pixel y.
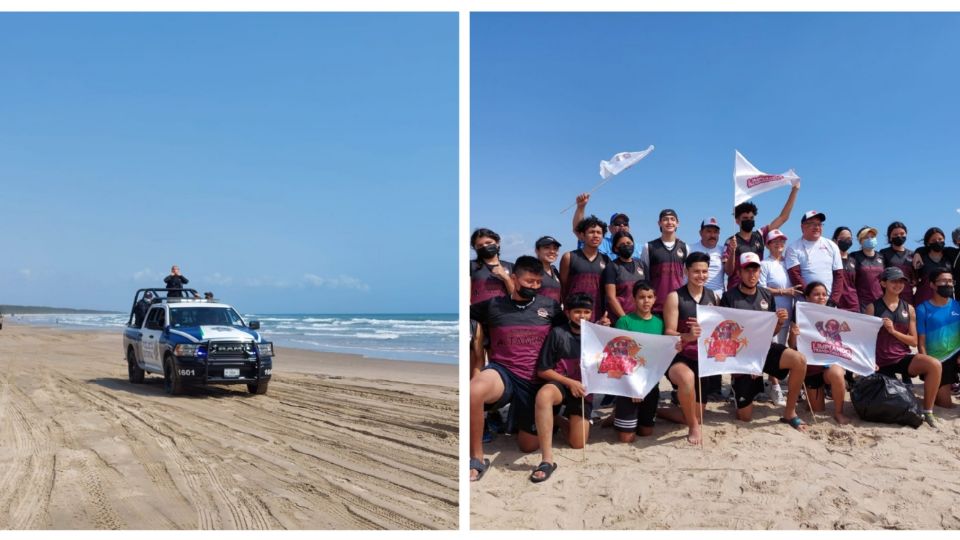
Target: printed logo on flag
{"type": "Point", "coordinates": [833, 345]}
{"type": "Point", "coordinates": [725, 341]}
{"type": "Point", "coordinates": [621, 356]}
{"type": "Point", "coordinates": [763, 179]}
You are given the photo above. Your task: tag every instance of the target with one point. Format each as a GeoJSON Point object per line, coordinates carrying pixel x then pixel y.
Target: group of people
{"type": "Point", "coordinates": [526, 318]}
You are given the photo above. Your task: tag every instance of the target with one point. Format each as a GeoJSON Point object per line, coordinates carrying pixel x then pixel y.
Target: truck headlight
{"type": "Point", "coordinates": [265, 349]}
{"type": "Point", "coordinates": [190, 349]}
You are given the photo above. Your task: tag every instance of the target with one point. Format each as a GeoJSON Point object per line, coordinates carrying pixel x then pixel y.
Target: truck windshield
{"type": "Point", "coordinates": [196, 316]}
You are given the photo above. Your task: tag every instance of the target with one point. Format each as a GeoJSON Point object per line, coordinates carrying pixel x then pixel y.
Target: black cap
{"type": "Point", "coordinates": [619, 215]}
{"type": "Point", "coordinates": [892, 273]}
{"type": "Point", "coordinates": [668, 212]}
{"type": "Point", "coordinates": [547, 241]}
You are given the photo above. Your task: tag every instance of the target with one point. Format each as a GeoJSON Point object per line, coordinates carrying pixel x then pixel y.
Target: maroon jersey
{"type": "Point", "coordinates": [517, 330]}
{"type": "Point", "coordinates": [867, 276]}
{"type": "Point", "coordinates": [754, 245]}
{"type": "Point", "coordinates": [623, 275]}
{"type": "Point", "coordinates": [665, 267]}
{"type": "Point", "coordinates": [551, 284]}
{"type": "Point", "coordinates": [687, 309]}
{"type": "Point", "coordinates": [904, 261]}
{"type": "Point", "coordinates": [890, 349]}
{"type": "Point", "coordinates": [585, 276]}
{"type": "Point", "coordinates": [483, 284]}
{"type": "Point", "coordinates": [848, 297]}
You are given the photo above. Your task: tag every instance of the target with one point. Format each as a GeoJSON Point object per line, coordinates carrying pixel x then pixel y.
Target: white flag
{"type": "Point", "coordinates": [622, 363]}
{"type": "Point", "coordinates": [749, 182]}
{"type": "Point", "coordinates": [833, 336]}
{"type": "Point", "coordinates": [733, 340]}
{"type": "Point", "coordinates": [622, 162]}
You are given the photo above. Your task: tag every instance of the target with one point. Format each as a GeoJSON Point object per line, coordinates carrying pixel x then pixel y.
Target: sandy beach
{"type": "Point", "coordinates": [339, 442]}
{"type": "Point", "coordinates": [761, 475]}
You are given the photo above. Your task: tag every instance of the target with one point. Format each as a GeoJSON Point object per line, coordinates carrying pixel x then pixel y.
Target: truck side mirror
{"type": "Point", "coordinates": [254, 325]}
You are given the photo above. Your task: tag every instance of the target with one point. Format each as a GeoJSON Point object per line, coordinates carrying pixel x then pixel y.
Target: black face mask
{"type": "Point", "coordinates": [527, 293]}
{"type": "Point", "coordinates": [746, 225]}
{"type": "Point", "coordinates": [936, 246]}
{"type": "Point", "coordinates": [625, 251]}
{"type": "Point", "coordinates": [945, 291]}
{"type": "Point", "coordinates": [844, 245]}
{"type": "Point", "coordinates": [898, 240]}
{"type": "Point", "coordinates": [488, 251]}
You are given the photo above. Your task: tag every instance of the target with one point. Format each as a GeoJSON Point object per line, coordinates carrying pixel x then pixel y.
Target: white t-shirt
{"type": "Point", "coordinates": [715, 276]}
{"type": "Point", "coordinates": [817, 260]}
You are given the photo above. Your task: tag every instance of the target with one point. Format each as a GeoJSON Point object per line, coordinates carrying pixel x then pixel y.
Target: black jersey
{"type": "Point", "coordinates": [517, 330]}
{"type": "Point", "coordinates": [584, 277]}
{"type": "Point", "coordinates": [754, 245]}
{"type": "Point", "coordinates": [666, 269]}
{"type": "Point", "coordinates": [924, 291]}
{"type": "Point", "coordinates": [483, 284]}
{"type": "Point", "coordinates": [561, 352]}
{"type": "Point", "coordinates": [551, 284]}
{"type": "Point", "coordinates": [761, 300]}
{"type": "Point", "coordinates": [904, 261]}
{"type": "Point", "coordinates": [687, 309]}
{"type": "Point", "coordinates": [623, 275]}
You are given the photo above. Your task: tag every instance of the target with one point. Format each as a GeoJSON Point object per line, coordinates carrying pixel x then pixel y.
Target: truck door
{"type": "Point", "coordinates": [150, 342]}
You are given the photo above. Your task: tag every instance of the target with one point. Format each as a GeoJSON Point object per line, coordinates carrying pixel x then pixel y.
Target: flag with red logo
{"type": "Point", "coordinates": [748, 181]}
{"type": "Point", "coordinates": [623, 363]}
{"type": "Point", "coordinates": [833, 336]}
{"type": "Point", "coordinates": [733, 340]}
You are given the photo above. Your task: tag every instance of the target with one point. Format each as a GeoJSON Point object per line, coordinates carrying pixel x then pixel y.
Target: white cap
{"type": "Point", "coordinates": [749, 258]}
{"type": "Point", "coordinates": [773, 234]}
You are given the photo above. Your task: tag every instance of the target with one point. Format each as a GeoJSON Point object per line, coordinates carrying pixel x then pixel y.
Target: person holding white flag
{"type": "Point", "coordinates": [898, 334]}
{"type": "Point", "coordinates": [619, 222]}
{"type": "Point", "coordinates": [750, 239]}
{"type": "Point", "coordinates": [581, 270]}
{"type": "Point", "coordinates": [559, 366]}
{"type": "Point", "coordinates": [819, 376]}
{"type": "Point", "coordinates": [680, 319]}
{"type": "Point", "coordinates": [780, 361]}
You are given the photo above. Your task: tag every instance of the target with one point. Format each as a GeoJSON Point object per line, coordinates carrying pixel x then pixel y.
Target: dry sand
{"type": "Point", "coordinates": [758, 475]}
{"type": "Point", "coordinates": [339, 442]}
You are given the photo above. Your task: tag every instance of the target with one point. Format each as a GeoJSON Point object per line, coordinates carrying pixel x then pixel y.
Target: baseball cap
{"type": "Point", "coordinates": [774, 234]}
{"type": "Point", "coordinates": [864, 230]}
{"type": "Point", "coordinates": [668, 212]}
{"type": "Point", "coordinates": [749, 258]}
{"type": "Point", "coordinates": [547, 241]}
{"type": "Point", "coordinates": [619, 215]}
{"type": "Point", "coordinates": [710, 222]}
{"type": "Point", "coordinates": [813, 214]}
{"type": "Point", "coordinates": [892, 273]}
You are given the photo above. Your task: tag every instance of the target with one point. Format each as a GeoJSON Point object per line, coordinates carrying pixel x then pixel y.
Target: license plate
{"type": "Point", "coordinates": [231, 372]}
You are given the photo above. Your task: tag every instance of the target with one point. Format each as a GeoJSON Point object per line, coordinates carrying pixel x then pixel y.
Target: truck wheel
{"type": "Point", "coordinates": [258, 388]}
{"type": "Point", "coordinates": [171, 381]}
{"type": "Point", "coordinates": [133, 370]}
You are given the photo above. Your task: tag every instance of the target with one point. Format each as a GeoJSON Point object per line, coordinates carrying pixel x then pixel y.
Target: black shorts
{"type": "Point", "coordinates": [949, 373]}
{"type": "Point", "coordinates": [520, 395]}
{"type": "Point", "coordinates": [570, 406]}
{"type": "Point", "coordinates": [901, 366]}
{"type": "Point", "coordinates": [814, 382]}
{"type": "Point", "coordinates": [745, 387]}
{"type": "Point", "coordinates": [628, 416]}
{"type": "Point", "coordinates": [694, 366]}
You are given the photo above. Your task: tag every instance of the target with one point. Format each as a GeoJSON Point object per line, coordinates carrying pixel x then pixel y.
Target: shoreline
{"type": "Point", "coordinates": [79, 328]}
{"type": "Point", "coordinates": [335, 443]}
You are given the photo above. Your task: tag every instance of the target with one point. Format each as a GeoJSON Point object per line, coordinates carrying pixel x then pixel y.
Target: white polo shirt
{"type": "Point", "coordinates": [715, 274]}
{"type": "Point", "coordinates": [817, 260]}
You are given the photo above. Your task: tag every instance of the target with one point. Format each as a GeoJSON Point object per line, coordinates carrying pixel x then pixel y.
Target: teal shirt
{"type": "Point", "coordinates": [941, 328]}
{"type": "Point", "coordinates": [633, 323]}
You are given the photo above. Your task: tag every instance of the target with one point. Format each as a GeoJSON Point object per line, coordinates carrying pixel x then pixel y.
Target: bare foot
{"type": "Point", "coordinates": [695, 437]}
{"type": "Point", "coordinates": [841, 419]}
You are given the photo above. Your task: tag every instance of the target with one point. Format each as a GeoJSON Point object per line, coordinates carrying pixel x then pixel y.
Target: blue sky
{"type": "Point", "coordinates": [288, 162]}
{"type": "Point", "coordinates": [863, 106]}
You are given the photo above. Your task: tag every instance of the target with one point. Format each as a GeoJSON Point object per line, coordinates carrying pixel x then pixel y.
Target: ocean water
{"type": "Point", "coordinates": [429, 337]}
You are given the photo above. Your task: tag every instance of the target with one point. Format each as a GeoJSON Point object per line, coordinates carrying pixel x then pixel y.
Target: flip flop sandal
{"type": "Point", "coordinates": [544, 467]}
{"type": "Point", "coordinates": [794, 422]}
{"type": "Point", "coordinates": [479, 466]}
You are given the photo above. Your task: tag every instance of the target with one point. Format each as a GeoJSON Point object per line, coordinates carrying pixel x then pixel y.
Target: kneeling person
{"type": "Point", "coordinates": [559, 367]}
{"type": "Point", "coordinates": [780, 361]}
{"type": "Point", "coordinates": [635, 416]}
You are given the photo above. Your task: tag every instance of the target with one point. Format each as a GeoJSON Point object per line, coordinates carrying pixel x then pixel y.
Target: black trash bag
{"type": "Point", "coordinates": [883, 399]}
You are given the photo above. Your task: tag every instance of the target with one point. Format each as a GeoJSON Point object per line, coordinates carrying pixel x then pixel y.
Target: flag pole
{"type": "Point", "coordinates": [699, 408]}
{"type": "Point", "coordinates": [807, 393]}
{"type": "Point", "coordinates": [583, 424]}
{"type": "Point", "coordinates": [588, 193]}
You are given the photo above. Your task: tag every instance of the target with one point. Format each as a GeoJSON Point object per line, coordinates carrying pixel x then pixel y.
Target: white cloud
{"type": "Point", "coordinates": [219, 279]}
{"type": "Point", "coordinates": [148, 275]}
{"type": "Point", "coordinates": [340, 282]}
